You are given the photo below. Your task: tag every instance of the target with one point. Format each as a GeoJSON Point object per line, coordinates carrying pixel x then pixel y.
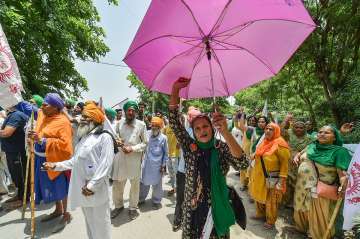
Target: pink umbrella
{"type": "Point", "coordinates": [222, 45]}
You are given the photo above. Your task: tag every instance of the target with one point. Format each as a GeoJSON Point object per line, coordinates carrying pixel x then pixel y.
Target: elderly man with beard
{"type": "Point", "coordinates": [154, 163]}
{"type": "Point", "coordinates": [53, 143]}
{"type": "Point", "coordinates": [127, 163]}
{"type": "Point", "coordinates": [91, 165]}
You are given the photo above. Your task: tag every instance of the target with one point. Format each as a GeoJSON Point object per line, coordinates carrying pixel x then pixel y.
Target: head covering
{"type": "Point", "coordinates": [70, 102]}
{"type": "Point", "coordinates": [38, 100]}
{"type": "Point", "coordinates": [54, 100]}
{"type": "Point", "coordinates": [95, 113]}
{"type": "Point", "coordinates": [157, 121]}
{"type": "Point", "coordinates": [27, 108]}
{"type": "Point", "coordinates": [80, 105]}
{"type": "Point", "coordinates": [299, 122]}
{"type": "Point", "coordinates": [110, 112]}
{"type": "Point", "coordinates": [192, 113]}
{"type": "Point", "coordinates": [268, 147]}
{"type": "Point", "coordinates": [330, 154]}
{"type": "Point", "coordinates": [131, 104]}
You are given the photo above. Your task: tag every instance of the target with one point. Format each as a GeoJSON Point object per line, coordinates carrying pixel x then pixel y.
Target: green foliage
{"type": "Point", "coordinates": [160, 100]}
{"type": "Point", "coordinates": [46, 37]}
{"type": "Point", "coordinates": [321, 81]}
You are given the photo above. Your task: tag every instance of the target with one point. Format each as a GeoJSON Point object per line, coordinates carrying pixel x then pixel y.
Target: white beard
{"type": "Point", "coordinates": [85, 129]}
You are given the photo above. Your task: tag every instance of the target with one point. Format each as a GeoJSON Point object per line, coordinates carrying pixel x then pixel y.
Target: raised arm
{"type": "Point", "coordinates": [180, 132]}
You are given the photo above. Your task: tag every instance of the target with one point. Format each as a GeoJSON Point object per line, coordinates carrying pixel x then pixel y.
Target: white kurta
{"type": "Point", "coordinates": [128, 166]}
{"type": "Point", "coordinates": [91, 165]}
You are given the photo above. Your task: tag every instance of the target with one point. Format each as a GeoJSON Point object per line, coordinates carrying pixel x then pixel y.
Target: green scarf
{"type": "Point", "coordinates": [222, 212]}
{"type": "Point", "coordinates": [259, 133]}
{"type": "Point", "coordinates": [330, 154]}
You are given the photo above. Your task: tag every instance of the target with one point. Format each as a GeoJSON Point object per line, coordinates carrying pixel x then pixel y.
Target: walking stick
{"type": "Point", "coordinates": [334, 215]}
{"type": "Point", "coordinates": [27, 171]}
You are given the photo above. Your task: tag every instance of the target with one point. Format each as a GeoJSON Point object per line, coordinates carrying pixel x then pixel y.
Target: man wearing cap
{"type": "Point", "coordinates": [110, 115]}
{"type": "Point", "coordinates": [12, 137]}
{"type": "Point", "coordinates": [91, 165]}
{"type": "Point", "coordinates": [127, 163]}
{"type": "Point", "coordinates": [53, 143]}
{"type": "Point", "coordinates": [37, 100]}
{"type": "Point", "coordinates": [154, 163]}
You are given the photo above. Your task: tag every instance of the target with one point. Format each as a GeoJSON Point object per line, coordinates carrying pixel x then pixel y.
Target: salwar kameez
{"type": "Point", "coordinates": [312, 215]}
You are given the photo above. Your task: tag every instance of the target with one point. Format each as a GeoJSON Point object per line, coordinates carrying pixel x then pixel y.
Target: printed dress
{"type": "Point", "coordinates": [197, 178]}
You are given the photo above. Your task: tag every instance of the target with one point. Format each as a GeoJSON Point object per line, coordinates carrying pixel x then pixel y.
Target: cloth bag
{"type": "Point", "coordinates": [325, 190]}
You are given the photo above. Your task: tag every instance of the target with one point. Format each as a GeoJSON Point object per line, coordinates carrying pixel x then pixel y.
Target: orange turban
{"type": "Point", "coordinates": [94, 112]}
{"type": "Point", "coordinates": [157, 121]}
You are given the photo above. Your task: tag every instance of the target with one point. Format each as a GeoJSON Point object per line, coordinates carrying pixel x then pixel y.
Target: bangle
{"type": "Point", "coordinates": [175, 105]}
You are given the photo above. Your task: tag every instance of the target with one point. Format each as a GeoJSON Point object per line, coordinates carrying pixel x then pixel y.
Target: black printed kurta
{"type": "Point", "coordinates": [196, 194]}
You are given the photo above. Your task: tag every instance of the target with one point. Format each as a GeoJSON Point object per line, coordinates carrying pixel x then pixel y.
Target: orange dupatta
{"type": "Point", "coordinates": [58, 134]}
{"type": "Point", "coordinates": [268, 147]}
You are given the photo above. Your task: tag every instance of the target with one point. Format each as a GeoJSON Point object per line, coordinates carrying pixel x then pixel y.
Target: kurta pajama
{"type": "Point", "coordinates": [91, 166]}
{"type": "Point", "coordinates": [128, 166]}
{"type": "Point", "coordinates": [155, 158]}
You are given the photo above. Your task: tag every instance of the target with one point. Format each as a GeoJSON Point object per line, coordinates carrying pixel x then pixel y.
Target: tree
{"type": "Point", "coordinates": [315, 79]}
{"type": "Point", "coordinates": [47, 36]}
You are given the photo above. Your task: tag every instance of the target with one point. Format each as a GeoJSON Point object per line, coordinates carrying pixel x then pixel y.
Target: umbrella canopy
{"type": "Point", "coordinates": [222, 45]}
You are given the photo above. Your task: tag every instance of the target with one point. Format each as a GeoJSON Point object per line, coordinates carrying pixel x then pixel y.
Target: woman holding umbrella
{"type": "Point", "coordinates": [207, 211]}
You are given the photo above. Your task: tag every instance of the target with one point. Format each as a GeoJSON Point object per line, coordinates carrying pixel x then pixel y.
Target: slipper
{"type": "Point", "coordinates": [62, 224]}
{"type": "Point", "coordinates": [51, 216]}
{"type": "Point", "coordinates": [268, 226]}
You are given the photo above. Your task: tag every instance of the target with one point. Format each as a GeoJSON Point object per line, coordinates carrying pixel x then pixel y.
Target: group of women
{"type": "Point", "coordinates": [284, 165]}
{"type": "Point", "coordinates": [291, 167]}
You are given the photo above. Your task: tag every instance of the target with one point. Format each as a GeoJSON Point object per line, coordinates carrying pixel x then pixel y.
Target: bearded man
{"type": "Point", "coordinates": [53, 143]}
{"type": "Point", "coordinates": [154, 164]}
{"type": "Point", "coordinates": [127, 163]}
{"type": "Point", "coordinates": [91, 165]}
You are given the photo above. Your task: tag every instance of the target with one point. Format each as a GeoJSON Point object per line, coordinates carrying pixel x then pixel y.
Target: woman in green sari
{"type": "Point", "coordinates": [327, 157]}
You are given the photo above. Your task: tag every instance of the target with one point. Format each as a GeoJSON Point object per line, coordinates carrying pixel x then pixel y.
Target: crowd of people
{"type": "Point", "coordinates": [84, 150]}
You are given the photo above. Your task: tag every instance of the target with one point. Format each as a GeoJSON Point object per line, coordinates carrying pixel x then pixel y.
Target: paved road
{"type": "Point", "coordinates": [150, 224]}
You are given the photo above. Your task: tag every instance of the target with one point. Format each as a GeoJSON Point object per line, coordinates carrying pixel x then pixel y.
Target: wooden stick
{"type": "Point", "coordinates": [32, 176]}
{"type": "Point", "coordinates": [334, 215]}
{"type": "Point", "coordinates": [27, 171]}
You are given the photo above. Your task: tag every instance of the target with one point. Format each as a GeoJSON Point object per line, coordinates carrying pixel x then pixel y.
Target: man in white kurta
{"type": "Point", "coordinates": [127, 163]}
{"type": "Point", "coordinates": [91, 166]}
